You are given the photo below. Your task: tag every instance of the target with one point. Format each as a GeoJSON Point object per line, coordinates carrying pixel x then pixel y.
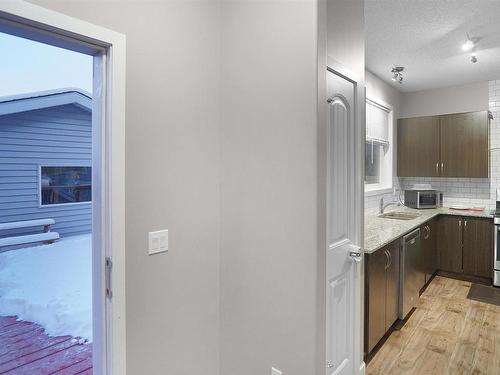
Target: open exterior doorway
{"type": "Point", "coordinates": [76, 228]}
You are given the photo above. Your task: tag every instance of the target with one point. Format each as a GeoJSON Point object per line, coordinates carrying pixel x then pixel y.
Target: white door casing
{"type": "Point", "coordinates": [343, 256]}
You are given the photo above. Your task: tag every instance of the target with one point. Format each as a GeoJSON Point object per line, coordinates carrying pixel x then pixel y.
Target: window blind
{"type": "Point", "coordinates": [377, 123]}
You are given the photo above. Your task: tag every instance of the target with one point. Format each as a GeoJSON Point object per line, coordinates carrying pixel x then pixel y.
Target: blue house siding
{"type": "Point", "coordinates": [57, 136]}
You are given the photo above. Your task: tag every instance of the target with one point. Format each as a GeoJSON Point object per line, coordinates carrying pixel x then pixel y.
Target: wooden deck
{"type": "Point", "coordinates": [447, 334]}
{"type": "Point", "coordinates": [26, 349]}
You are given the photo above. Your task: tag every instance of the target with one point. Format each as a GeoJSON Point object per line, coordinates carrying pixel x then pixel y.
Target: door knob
{"type": "Point", "coordinates": [355, 256]}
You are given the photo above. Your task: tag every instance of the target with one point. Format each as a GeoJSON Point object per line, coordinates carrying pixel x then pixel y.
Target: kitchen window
{"type": "Point", "coordinates": [65, 185]}
{"type": "Point", "coordinates": [378, 146]}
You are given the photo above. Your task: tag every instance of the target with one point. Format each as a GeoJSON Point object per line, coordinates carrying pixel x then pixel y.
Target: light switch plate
{"type": "Point", "coordinates": [158, 242]}
{"type": "Point", "coordinates": [275, 371]}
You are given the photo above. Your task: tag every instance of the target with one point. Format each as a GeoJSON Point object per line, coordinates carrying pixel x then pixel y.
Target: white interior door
{"type": "Point", "coordinates": [343, 255]}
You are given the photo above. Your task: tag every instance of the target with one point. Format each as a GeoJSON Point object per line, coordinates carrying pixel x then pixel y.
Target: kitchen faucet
{"type": "Point", "coordinates": [383, 206]}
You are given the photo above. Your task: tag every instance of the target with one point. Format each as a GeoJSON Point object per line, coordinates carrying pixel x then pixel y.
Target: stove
{"type": "Point", "coordinates": [496, 249]}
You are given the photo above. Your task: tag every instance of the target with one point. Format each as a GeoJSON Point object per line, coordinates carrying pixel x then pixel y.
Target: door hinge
{"type": "Point", "coordinates": [109, 268]}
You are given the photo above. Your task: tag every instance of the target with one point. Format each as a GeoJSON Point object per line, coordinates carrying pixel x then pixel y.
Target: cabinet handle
{"type": "Point", "coordinates": [437, 168]}
{"type": "Point", "coordinates": [442, 168]}
{"type": "Point", "coordinates": [387, 260]}
{"type": "Point", "coordinates": [390, 258]}
{"type": "Point", "coordinates": [460, 224]}
{"type": "Point", "coordinates": [428, 234]}
{"type": "Point", "coordinates": [465, 224]}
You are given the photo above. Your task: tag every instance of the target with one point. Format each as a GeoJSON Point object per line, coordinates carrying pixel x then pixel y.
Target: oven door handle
{"type": "Point", "coordinates": [496, 252]}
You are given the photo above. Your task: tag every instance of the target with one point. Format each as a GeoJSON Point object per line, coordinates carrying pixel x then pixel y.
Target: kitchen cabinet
{"type": "Point", "coordinates": [418, 147]}
{"type": "Point", "coordinates": [381, 293]}
{"type": "Point", "coordinates": [429, 146]}
{"type": "Point", "coordinates": [429, 249]}
{"type": "Point", "coordinates": [478, 238]}
{"type": "Point", "coordinates": [450, 243]}
{"type": "Point", "coordinates": [392, 286]}
{"type": "Point", "coordinates": [464, 134]}
{"type": "Point", "coordinates": [466, 246]}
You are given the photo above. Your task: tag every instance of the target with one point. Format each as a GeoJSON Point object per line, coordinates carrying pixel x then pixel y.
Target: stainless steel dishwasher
{"type": "Point", "coordinates": [409, 280]}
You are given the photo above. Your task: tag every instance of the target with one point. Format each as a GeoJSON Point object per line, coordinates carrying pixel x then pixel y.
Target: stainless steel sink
{"type": "Point", "coordinates": [398, 215]}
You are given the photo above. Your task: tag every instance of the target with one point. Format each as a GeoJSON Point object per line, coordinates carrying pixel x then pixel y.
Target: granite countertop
{"type": "Point", "coordinates": [382, 231]}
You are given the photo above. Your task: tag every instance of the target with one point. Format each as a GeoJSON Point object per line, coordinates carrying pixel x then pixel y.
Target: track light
{"type": "Point", "coordinates": [468, 45]}
{"type": "Point", "coordinates": [473, 57]}
{"type": "Point", "coordinates": [397, 74]}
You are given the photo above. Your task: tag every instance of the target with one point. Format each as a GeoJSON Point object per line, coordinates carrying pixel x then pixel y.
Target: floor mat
{"type": "Point", "coordinates": [484, 293]}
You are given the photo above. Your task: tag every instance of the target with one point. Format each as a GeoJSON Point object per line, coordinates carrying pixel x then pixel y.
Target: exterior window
{"type": "Point", "coordinates": [62, 185]}
{"type": "Point", "coordinates": [378, 146]}
{"type": "Point", "coordinates": [372, 162]}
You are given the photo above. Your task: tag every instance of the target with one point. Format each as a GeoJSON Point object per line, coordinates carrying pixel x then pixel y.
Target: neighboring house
{"type": "Point", "coordinates": [46, 159]}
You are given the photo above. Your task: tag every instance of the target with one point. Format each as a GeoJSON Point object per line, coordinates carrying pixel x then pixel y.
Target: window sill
{"type": "Point", "coordinates": [377, 191]}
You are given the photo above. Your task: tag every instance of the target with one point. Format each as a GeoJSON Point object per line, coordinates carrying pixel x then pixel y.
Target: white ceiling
{"type": "Point", "coordinates": [426, 37]}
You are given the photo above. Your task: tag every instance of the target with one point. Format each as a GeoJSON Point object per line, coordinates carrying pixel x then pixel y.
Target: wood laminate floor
{"type": "Point", "coordinates": [447, 334]}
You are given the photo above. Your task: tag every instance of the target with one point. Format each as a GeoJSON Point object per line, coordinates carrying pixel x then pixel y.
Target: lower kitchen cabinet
{"type": "Point", "coordinates": [381, 293]}
{"type": "Point", "coordinates": [392, 286]}
{"type": "Point", "coordinates": [478, 238]}
{"type": "Point", "coordinates": [450, 243]}
{"type": "Point", "coordinates": [466, 246]}
{"type": "Point", "coordinates": [428, 243]}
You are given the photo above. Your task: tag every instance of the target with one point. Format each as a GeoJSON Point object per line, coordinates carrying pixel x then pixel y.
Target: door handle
{"type": "Point", "coordinates": [355, 256]}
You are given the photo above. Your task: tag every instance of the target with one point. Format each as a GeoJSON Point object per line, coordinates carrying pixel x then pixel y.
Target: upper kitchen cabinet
{"type": "Point", "coordinates": [418, 147]}
{"type": "Point", "coordinates": [454, 145]}
{"type": "Point", "coordinates": [464, 145]}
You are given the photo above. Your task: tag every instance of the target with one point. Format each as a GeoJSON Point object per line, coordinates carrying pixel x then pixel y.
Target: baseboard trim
{"type": "Point", "coordinates": [464, 277]}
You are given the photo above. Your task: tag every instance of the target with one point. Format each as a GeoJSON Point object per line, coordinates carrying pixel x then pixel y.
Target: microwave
{"type": "Point", "coordinates": [423, 199]}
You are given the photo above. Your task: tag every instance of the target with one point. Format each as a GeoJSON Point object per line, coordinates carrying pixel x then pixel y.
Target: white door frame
{"type": "Point", "coordinates": [358, 218]}
{"type": "Point", "coordinates": [108, 48]}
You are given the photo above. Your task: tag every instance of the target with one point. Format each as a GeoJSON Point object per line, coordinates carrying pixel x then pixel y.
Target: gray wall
{"type": "Point", "coordinates": [56, 136]}
{"type": "Point", "coordinates": [172, 178]}
{"type": "Point", "coordinates": [465, 98]}
{"type": "Point", "coordinates": [269, 187]}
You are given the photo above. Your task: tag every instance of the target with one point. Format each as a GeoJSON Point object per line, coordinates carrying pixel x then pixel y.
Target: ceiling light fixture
{"type": "Point", "coordinates": [468, 45]}
{"type": "Point", "coordinates": [473, 57]}
{"type": "Point", "coordinates": [397, 74]}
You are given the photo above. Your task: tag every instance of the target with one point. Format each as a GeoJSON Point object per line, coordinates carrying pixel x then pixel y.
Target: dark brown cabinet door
{"type": "Point", "coordinates": [432, 255]}
{"type": "Point", "coordinates": [418, 147]}
{"type": "Point", "coordinates": [464, 145]}
{"type": "Point", "coordinates": [478, 247]}
{"type": "Point", "coordinates": [392, 286]}
{"type": "Point", "coordinates": [375, 283]}
{"type": "Point", "coordinates": [428, 241]}
{"type": "Point", "coordinates": [450, 243]}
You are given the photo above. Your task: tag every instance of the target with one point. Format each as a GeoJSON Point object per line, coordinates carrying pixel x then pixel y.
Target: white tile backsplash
{"type": "Point", "coordinates": [473, 191]}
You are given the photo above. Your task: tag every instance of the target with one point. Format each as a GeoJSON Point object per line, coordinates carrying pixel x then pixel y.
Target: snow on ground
{"type": "Point", "coordinates": [50, 285]}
